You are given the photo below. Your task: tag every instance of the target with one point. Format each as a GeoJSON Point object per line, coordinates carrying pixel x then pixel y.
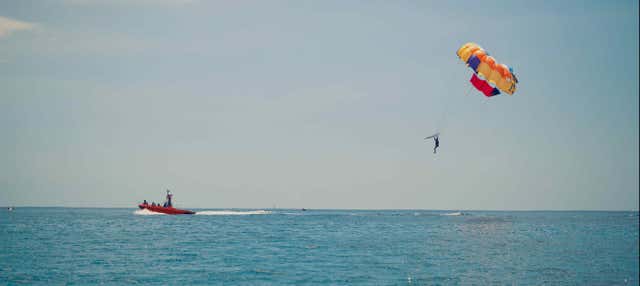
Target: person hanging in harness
{"type": "Point", "coordinates": [435, 140]}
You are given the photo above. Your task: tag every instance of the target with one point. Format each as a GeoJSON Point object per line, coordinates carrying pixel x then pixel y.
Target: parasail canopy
{"type": "Point", "coordinates": [490, 77]}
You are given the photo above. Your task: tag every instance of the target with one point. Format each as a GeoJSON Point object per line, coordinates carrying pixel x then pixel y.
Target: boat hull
{"type": "Point", "coordinates": [170, 210]}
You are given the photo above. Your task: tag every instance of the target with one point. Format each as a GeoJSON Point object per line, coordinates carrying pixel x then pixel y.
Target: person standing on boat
{"type": "Point", "coordinates": [169, 195]}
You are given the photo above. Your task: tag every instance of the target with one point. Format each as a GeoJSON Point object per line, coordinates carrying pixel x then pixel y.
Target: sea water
{"type": "Point", "coordinates": [55, 246]}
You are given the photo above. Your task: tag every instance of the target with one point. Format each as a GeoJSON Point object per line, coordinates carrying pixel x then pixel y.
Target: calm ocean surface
{"type": "Point", "coordinates": [54, 246]}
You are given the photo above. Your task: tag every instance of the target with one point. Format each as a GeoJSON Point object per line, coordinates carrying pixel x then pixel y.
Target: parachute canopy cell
{"type": "Point", "coordinates": [489, 71]}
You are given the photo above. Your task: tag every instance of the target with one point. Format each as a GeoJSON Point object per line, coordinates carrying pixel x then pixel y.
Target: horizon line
{"type": "Point", "coordinates": [345, 209]}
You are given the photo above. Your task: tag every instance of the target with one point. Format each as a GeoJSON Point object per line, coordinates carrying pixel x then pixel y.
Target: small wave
{"type": "Point", "coordinates": [256, 212]}
{"type": "Point", "coordinates": [291, 213]}
{"type": "Point", "coordinates": [453, 214]}
{"type": "Point", "coordinates": [146, 212]}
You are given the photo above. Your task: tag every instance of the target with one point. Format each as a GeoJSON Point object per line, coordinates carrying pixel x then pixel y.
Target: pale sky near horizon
{"type": "Point", "coordinates": [317, 104]}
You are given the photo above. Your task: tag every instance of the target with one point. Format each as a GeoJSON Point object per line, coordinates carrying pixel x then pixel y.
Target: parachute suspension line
{"type": "Point", "coordinates": [445, 114]}
{"type": "Point", "coordinates": [468, 90]}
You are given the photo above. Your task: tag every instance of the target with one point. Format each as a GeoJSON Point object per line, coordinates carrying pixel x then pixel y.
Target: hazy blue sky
{"type": "Point", "coordinates": [317, 104]}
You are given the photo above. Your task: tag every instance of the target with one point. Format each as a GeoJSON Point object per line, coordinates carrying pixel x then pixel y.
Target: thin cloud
{"type": "Point", "coordinates": [9, 26]}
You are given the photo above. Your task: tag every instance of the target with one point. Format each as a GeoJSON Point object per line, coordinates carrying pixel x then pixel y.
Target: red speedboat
{"type": "Point", "coordinates": [161, 209]}
{"type": "Point", "coordinates": [166, 209]}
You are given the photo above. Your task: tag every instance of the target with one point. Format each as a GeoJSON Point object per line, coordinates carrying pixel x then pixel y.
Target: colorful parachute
{"type": "Point", "coordinates": [487, 72]}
